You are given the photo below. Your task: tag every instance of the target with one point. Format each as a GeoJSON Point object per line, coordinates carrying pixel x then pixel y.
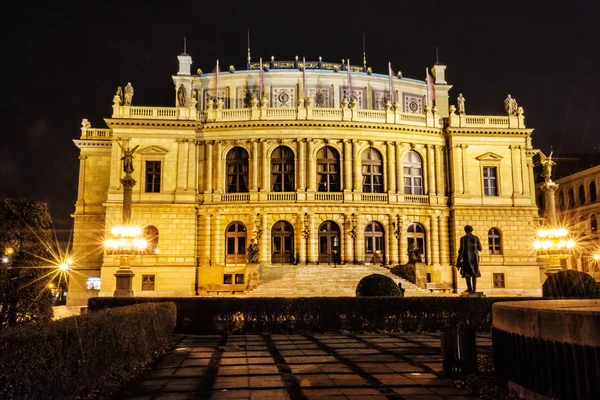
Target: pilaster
{"type": "Point", "coordinates": [218, 158]}
{"type": "Point", "coordinates": [391, 170]}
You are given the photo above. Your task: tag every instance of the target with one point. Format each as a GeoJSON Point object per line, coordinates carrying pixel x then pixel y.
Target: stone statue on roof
{"type": "Point", "coordinates": [128, 94]}
{"type": "Point", "coordinates": [460, 103]}
{"type": "Point", "coordinates": [181, 95]}
{"type": "Point", "coordinates": [510, 105]}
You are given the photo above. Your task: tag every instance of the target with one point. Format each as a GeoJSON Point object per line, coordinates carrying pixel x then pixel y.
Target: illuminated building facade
{"type": "Point", "coordinates": [319, 165]}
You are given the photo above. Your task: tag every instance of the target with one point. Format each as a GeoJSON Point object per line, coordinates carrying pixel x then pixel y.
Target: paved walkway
{"type": "Point", "coordinates": [311, 366]}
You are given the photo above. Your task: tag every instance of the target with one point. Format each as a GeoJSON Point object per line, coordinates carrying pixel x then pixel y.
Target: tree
{"type": "Point", "coordinates": [25, 233]}
{"type": "Point", "coordinates": [377, 285]}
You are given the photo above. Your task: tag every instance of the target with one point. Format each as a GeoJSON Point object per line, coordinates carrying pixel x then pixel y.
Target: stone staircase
{"type": "Point", "coordinates": [320, 280]}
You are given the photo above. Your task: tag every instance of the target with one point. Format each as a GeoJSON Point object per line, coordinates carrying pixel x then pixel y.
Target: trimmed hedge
{"type": "Point", "coordinates": [232, 315]}
{"type": "Point", "coordinates": [77, 356]}
{"type": "Point", "coordinates": [571, 284]}
{"type": "Point", "coordinates": [377, 285]}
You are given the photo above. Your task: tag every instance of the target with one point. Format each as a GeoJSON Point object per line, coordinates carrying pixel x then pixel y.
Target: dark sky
{"type": "Point", "coordinates": [62, 61]}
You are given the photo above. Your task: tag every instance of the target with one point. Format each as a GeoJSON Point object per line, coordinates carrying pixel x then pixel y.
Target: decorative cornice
{"type": "Point", "coordinates": [92, 144]}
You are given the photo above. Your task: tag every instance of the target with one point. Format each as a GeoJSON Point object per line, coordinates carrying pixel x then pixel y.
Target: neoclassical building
{"type": "Point", "coordinates": [318, 164]}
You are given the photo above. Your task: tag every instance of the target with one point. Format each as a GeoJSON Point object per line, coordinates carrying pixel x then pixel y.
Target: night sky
{"type": "Point", "coordinates": [63, 61]}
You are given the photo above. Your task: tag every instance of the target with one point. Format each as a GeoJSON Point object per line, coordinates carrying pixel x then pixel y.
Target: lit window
{"type": "Point", "coordinates": [239, 279]}
{"type": "Point", "coordinates": [282, 170]}
{"type": "Point", "coordinates": [372, 171]}
{"type": "Point", "coordinates": [93, 283]}
{"type": "Point", "coordinates": [237, 170]}
{"type": "Point", "coordinates": [148, 282]}
{"type": "Point", "coordinates": [413, 173]}
{"type": "Point", "coordinates": [490, 183]}
{"type": "Point", "coordinates": [328, 170]}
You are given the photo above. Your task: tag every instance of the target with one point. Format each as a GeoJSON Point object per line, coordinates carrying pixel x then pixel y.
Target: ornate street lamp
{"type": "Point", "coordinates": [554, 243]}
{"type": "Point", "coordinates": [126, 240]}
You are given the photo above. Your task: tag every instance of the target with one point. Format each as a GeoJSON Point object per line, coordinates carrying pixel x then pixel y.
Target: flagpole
{"type": "Point", "coordinates": [392, 94]}
{"type": "Point", "coordinates": [260, 87]}
{"type": "Point", "coordinates": [217, 83]}
{"type": "Point", "coordinates": [349, 82]}
{"type": "Point", "coordinates": [427, 84]}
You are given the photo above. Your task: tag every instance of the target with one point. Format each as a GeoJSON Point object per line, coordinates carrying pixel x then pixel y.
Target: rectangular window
{"type": "Point", "coordinates": [239, 279]}
{"type": "Point", "coordinates": [490, 187]}
{"type": "Point", "coordinates": [227, 279]}
{"type": "Point", "coordinates": [152, 176]}
{"type": "Point", "coordinates": [148, 282]}
{"type": "Point", "coordinates": [499, 280]}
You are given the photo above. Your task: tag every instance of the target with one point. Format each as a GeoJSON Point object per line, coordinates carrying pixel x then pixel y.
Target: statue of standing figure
{"type": "Point", "coordinates": [468, 258]}
{"type": "Point", "coordinates": [127, 158]}
{"type": "Point", "coordinates": [181, 95]}
{"type": "Point", "coordinates": [547, 163]}
{"type": "Point", "coordinates": [510, 105]}
{"type": "Point", "coordinates": [252, 253]}
{"type": "Point", "coordinates": [460, 104]}
{"type": "Point", "coordinates": [414, 254]}
{"type": "Point", "coordinates": [128, 94]}
{"type": "Point", "coordinates": [118, 99]}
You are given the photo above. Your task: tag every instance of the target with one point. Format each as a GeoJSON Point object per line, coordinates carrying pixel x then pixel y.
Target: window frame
{"type": "Point", "coordinates": [494, 242]}
{"type": "Point", "coordinates": [332, 178]}
{"type": "Point", "coordinates": [371, 175]}
{"type": "Point", "coordinates": [488, 179]}
{"type": "Point", "coordinates": [147, 173]}
{"type": "Point", "coordinates": [282, 174]}
{"type": "Point", "coordinates": [410, 164]}
{"type": "Point", "coordinates": [499, 280]}
{"type": "Point", "coordinates": [240, 173]}
{"type": "Point", "coordinates": [144, 282]}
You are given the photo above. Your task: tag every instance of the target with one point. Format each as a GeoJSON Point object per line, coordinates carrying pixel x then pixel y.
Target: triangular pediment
{"type": "Point", "coordinates": [153, 150]}
{"type": "Point", "coordinates": [489, 156]}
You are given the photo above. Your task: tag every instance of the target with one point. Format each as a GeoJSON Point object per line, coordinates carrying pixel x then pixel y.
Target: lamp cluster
{"type": "Point", "coordinates": [126, 240]}
{"type": "Point", "coordinates": [553, 240]}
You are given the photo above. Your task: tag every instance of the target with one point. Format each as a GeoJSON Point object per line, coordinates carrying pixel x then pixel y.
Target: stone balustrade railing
{"type": "Point", "coordinates": [96, 134]}
{"type": "Point", "coordinates": [486, 121]}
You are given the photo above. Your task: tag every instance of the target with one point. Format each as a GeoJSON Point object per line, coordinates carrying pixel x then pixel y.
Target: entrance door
{"type": "Point", "coordinates": [235, 238]}
{"type": "Point", "coordinates": [282, 243]}
{"type": "Point", "coordinates": [374, 240]}
{"type": "Point", "coordinates": [329, 243]}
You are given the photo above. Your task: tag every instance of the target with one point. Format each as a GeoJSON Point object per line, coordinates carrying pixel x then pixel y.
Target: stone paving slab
{"type": "Point", "coordinates": [310, 366]}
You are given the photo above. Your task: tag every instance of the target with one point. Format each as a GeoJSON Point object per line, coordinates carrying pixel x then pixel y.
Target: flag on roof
{"type": "Point", "coordinates": [430, 88]}
{"type": "Point", "coordinates": [391, 82]}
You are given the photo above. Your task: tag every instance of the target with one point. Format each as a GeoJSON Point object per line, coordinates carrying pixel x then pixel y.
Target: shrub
{"type": "Point", "coordinates": [377, 285]}
{"type": "Point", "coordinates": [78, 356]}
{"type": "Point", "coordinates": [571, 284]}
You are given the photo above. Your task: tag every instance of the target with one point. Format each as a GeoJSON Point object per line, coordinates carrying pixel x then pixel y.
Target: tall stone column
{"type": "Point", "coordinates": [349, 236]}
{"type": "Point", "coordinates": [218, 234]}
{"type": "Point", "coordinates": [205, 246]}
{"type": "Point", "coordinates": [304, 235]}
{"type": "Point", "coordinates": [356, 166]}
{"type": "Point", "coordinates": [254, 181]}
{"type": "Point", "coordinates": [431, 170]}
{"type": "Point", "coordinates": [181, 161]}
{"type": "Point", "coordinates": [465, 168]}
{"type": "Point", "coordinates": [391, 170]}
{"type": "Point", "coordinates": [429, 241]}
{"type": "Point", "coordinates": [265, 186]}
{"type": "Point", "coordinates": [219, 178]}
{"type": "Point", "coordinates": [80, 205]}
{"type": "Point", "coordinates": [124, 275]}
{"type": "Point", "coordinates": [313, 252]}
{"type": "Point", "coordinates": [208, 186]}
{"type": "Point", "coordinates": [347, 165]}
{"type": "Point", "coordinates": [435, 239]}
{"type": "Point", "coordinates": [393, 240]}
{"type": "Point", "coordinates": [264, 241]}
{"type": "Point", "coordinates": [439, 171]}
{"type": "Point", "coordinates": [399, 169]}
{"type": "Point", "coordinates": [312, 174]}
{"type": "Point", "coordinates": [301, 186]}
{"type": "Point", "coordinates": [549, 188]}
{"type": "Point", "coordinates": [524, 172]}
{"type": "Point", "coordinates": [446, 257]}
{"type": "Point", "coordinates": [403, 240]}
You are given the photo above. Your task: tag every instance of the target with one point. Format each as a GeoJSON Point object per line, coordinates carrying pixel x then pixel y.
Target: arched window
{"type": "Point", "coordinates": [374, 240]}
{"type": "Point", "coordinates": [561, 201]}
{"type": "Point", "coordinates": [593, 194]}
{"type": "Point", "coordinates": [581, 193]}
{"type": "Point", "coordinates": [328, 170]}
{"type": "Point", "coordinates": [372, 171]}
{"type": "Point", "coordinates": [282, 243]}
{"type": "Point", "coordinates": [329, 243]}
{"type": "Point", "coordinates": [413, 173]}
{"type": "Point", "coordinates": [494, 244]}
{"type": "Point", "coordinates": [416, 234]}
{"type": "Point", "coordinates": [593, 223]}
{"type": "Point", "coordinates": [235, 240]}
{"type": "Point", "coordinates": [151, 236]}
{"type": "Point", "coordinates": [237, 170]}
{"type": "Point", "coordinates": [282, 170]}
{"type": "Point", "coordinates": [571, 200]}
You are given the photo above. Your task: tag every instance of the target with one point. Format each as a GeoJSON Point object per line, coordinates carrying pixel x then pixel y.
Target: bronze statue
{"type": "Point", "coordinates": [252, 253]}
{"type": "Point", "coordinates": [414, 253]}
{"type": "Point", "coordinates": [127, 158]}
{"type": "Point", "coordinates": [468, 258]}
{"type": "Point", "coordinates": [548, 164]}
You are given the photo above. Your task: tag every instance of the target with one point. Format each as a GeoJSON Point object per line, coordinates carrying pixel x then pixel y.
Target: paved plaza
{"type": "Point", "coordinates": [309, 366]}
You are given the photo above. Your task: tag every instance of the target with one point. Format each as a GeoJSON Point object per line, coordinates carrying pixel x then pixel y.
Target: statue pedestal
{"type": "Point", "coordinates": [124, 283]}
{"type": "Point", "coordinates": [472, 294]}
{"type": "Point", "coordinates": [421, 275]}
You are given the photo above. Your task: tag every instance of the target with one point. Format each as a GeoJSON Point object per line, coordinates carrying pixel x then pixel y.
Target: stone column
{"type": "Point", "coordinates": [304, 235]}
{"type": "Point", "coordinates": [218, 158]}
{"type": "Point", "coordinates": [359, 240]}
{"type": "Point", "coordinates": [439, 171]}
{"type": "Point", "coordinates": [391, 170]}
{"type": "Point", "coordinates": [205, 245]}
{"type": "Point", "coordinates": [208, 186]}
{"type": "Point", "coordinates": [192, 160]}
{"type": "Point", "coordinates": [403, 240]}
{"type": "Point", "coordinates": [313, 239]}
{"type": "Point", "coordinates": [446, 257]}
{"type": "Point", "coordinates": [348, 252]}
{"type": "Point", "coordinates": [254, 181]}
{"type": "Point", "coordinates": [524, 172]}
{"type": "Point", "coordinates": [357, 167]}
{"type": "Point", "coordinates": [347, 165]}
{"type": "Point", "coordinates": [301, 180]}
{"type": "Point", "coordinates": [312, 174]}
{"type": "Point", "coordinates": [465, 168]}
{"type": "Point", "coordinates": [431, 170]}
{"type": "Point", "coordinates": [393, 240]}
{"type": "Point", "coordinates": [428, 242]}
{"type": "Point", "coordinates": [181, 159]}
{"type": "Point", "coordinates": [435, 239]}
{"type": "Point", "coordinates": [116, 165]}
{"type": "Point", "coordinates": [80, 205]}
{"type": "Point", "coordinates": [264, 241]}
{"type": "Point", "coordinates": [264, 185]}
{"type": "Point", "coordinates": [399, 169]}
{"type": "Point", "coordinates": [218, 235]}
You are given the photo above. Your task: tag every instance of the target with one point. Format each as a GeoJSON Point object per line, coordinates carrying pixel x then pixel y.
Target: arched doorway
{"type": "Point", "coordinates": [282, 243]}
{"type": "Point", "coordinates": [416, 234]}
{"type": "Point", "coordinates": [329, 243]}
{"type": "Point", "coordinates": [374, 240]}
{"type": "Point", "coordinates": [235, 239]}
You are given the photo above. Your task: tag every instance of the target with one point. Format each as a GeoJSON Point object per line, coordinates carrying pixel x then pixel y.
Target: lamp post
{"type": "Point", "coordinates": [126, 240]}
